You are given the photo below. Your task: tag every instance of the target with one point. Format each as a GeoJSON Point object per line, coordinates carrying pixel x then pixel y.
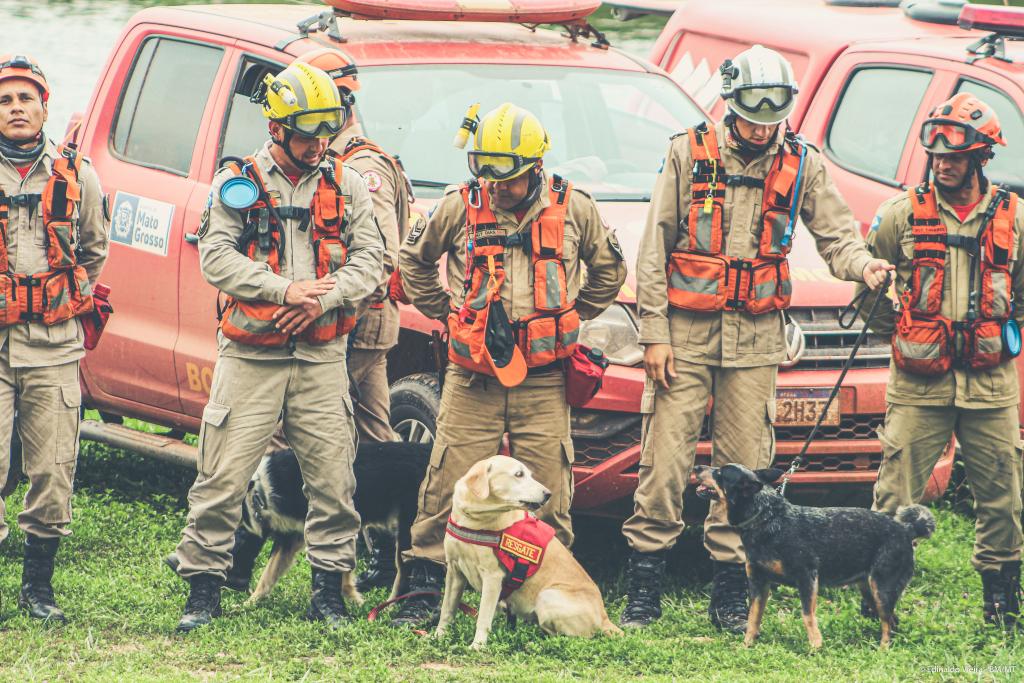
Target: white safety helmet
{"type": "Point", "coordinates": [795, 344]}
{"type": "Point", "coordinates": [759, 86]}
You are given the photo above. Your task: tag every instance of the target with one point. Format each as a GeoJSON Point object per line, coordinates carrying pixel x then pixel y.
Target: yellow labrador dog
{"type": "Point", "coordinates": [560, 597]}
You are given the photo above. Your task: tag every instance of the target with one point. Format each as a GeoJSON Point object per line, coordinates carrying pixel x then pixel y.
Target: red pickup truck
{"type": "Point", "coordinates": [173, 99]}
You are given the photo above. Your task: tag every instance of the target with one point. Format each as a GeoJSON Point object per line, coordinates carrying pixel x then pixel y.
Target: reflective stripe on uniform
{"type": "Point", "coordinates": [918, 350]}
{"type": "Point", "coordinates": [690, 283]}
{"type": "Point", "coordinates": [553, 287]}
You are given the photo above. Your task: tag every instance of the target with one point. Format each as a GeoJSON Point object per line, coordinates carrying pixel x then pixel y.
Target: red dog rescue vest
{"type": "Point", "coordinates": [927, 343]}
{"type": "Point", "coordinates": [519, 548]}
{"type": "Point", "coordinates": [548, 335]}
{"type": "Point", "coordinates": [701, 277]}
{"type": "Point", "coordinates": [251, 322]}
{"type": "Point", "coordinates": [63, 291]}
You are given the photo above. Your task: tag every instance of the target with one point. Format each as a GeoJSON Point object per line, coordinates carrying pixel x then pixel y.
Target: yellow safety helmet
{"type": "Point", "coordinates": [304, 100]}
{"type": "Point", "coordinates": [507, 143]}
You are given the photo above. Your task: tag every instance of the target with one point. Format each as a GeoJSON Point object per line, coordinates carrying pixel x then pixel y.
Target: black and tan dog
{"type": "Point", "coordinates": [806, 547]}
{"type": "Point", "coordinates": [388, 477]}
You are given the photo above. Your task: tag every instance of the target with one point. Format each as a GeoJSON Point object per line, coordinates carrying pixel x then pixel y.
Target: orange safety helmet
{"type": "Point", "coordinates": [960, 124]}
{"type": "Point", "coordinates": [20, 66]}
{"type": "Point", "coordinates": [339, 66]}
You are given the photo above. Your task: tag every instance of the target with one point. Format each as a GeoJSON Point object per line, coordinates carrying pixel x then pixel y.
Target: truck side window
{"type": "Point", "coordinates": [245, 128]}
{"type": "Point", "coordinates": [1006, 167]}
{"type": "Point", "coordinates": [872, 120]}
{"type": "Point", "coordinates": [163, 102]}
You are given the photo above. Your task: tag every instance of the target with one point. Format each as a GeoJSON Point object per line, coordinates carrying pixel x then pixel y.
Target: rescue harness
{"type": "Point", "coordinates": [519, 548]}
{"type": "Point", "coordinates": [549, 334]}
{"type": "Point", "coordinates": [64, 291]}
{"type": "Point", "coordinates": [928, 343]}
{"type": "Point", "coordinates": [701, 277]}
{"type": "Point", "coordinates": [262, 240]}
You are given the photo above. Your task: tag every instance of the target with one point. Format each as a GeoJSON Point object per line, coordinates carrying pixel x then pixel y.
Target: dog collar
{"type": "Point", "coordinates": [747, 522]}
{"type": "Point", "coordinates": [519, 548]}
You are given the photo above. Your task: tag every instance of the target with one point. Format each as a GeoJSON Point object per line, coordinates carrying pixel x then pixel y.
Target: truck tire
{"type": "Point", "coordinates": [415, 402]}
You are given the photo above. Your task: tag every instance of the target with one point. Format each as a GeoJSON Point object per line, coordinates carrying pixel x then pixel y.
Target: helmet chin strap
{"type": "Point", "coordinates": [532, 192]}
{"type": "Point", "coordinates": [287, 147]}
{"type": "Point", "coordinates": [743, 143]}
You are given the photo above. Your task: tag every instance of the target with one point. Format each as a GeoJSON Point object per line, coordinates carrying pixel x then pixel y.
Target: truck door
{"type": "Point", "coordinates": [864, 116]}
{"type": "Point", "coordinates": [146, 138]}
{"type": "Point", "coordinates": [238, 130]}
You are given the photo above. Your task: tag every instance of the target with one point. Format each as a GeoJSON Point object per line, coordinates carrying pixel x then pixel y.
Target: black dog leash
{"type": "Point", "coordinates": [846, 323]}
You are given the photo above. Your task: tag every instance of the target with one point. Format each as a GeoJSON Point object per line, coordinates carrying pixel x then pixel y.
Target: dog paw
{"type": "Point", "coordinates": [439, 633]}
{"type": "Point", "coordinates": [749, 641]}
{"type": "Point", "coordinates": [478, 645]}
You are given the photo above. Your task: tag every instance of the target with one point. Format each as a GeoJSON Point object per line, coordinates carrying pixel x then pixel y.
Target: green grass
{"type": "Point", "coordinates": [124, 604]}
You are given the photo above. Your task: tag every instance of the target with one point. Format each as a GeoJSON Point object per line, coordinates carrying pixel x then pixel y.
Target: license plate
{"type": "Point", "coordinates": [801, 407]}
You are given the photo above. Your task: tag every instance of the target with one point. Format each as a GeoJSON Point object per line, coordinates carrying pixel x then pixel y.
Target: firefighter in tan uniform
{"type": "Point", "coordinates": [712, 282]}
{"type": "Point", "coordinates": [377, 330]}
{"type": "Point", "coordinates": [513, 313]}
{"type": "Point", "coordinates": [53, 243]}
{"type": "Point", "coordinates": [291, 242]}
{"type": "Point", "coordinates": [957, 247]}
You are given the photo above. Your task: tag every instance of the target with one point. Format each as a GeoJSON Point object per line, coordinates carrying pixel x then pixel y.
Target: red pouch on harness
{"type": "Point", "coordinates": [94, 321]}
{"type": "Point", "coordinates": [584, 371]}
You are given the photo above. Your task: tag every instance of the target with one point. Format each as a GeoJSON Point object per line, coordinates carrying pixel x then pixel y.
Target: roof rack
{"type": "Point", "coordinates": [1006, 23]}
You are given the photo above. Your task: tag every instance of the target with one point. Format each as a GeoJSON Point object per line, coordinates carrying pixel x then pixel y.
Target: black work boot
{"type": "Point", "coordinates": [203, 602]}
{"type": "Point", "coordinates": [728, 609]}
{"type": "Point", "coordinates": [380, 569]}
{"type": "Point", "coordinates": [243, 559]}
{"type": "Point", "coordinates": [325, 603]}
{"type": "Point", "coordinates": [421, 611]}
{"type": "Point", "coordinates": [1002, 595]}
{"type": "Point", "coordinates": [36, 576]}
{"type": "Point", "coordinates": [643, 599]}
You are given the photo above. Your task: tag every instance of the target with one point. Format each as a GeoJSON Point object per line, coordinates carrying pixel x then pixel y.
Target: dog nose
{"type": "Point", "coordinates": [547, 495]}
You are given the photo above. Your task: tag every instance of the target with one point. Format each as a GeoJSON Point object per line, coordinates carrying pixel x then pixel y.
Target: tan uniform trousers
{"type": "Point", "coordinates": [476, 411]}
{"type": "Point", "coordinates": [368, 372]}
{"type": "Point", "coordinates": [47, 400]}
{"type": "Point", "coordinates": [741, 431]}
{"type": "Point", "coordinates": [914, 438]}
{"type": "Point", "coordinates": [246, 400]}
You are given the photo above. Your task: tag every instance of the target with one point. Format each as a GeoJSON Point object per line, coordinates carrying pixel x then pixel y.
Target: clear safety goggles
{"type": "Point", "coordinates": [498, 165]}
{"type": "Point", "coordinates": [754, 98]}
{"type": "Point", "coordinates": [317, 123]}
{"type": "Point", "coordinates": [955, 135]}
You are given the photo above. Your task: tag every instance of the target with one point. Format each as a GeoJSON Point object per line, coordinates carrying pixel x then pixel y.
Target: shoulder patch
{"type": "Point", "coordinates": [373, 181]}
{"type": "Point", "coordinates": [417, 231]}
{"type": "Point", "coordinates": [204, 220]}
{"type": "Point", "coordinates": [875, 223]}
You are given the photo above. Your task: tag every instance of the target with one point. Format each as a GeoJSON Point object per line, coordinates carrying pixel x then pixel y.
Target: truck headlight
{"type": "Point", "coordinates": [615, 333]}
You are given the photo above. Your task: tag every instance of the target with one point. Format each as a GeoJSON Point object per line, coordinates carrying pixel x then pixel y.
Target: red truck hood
{"type": "Point", "coordinates": [813, 283]}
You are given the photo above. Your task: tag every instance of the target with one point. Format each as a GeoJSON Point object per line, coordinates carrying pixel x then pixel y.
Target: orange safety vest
{"type": "Point", "coordinates": [62, 292]}
{"type": "Point", "coordinates": [548, 335]}
{"type": "Point", "coordinates": [251, 322]}
{"type": "Point", "coordinates": [927, 343]}
{"type": "Point", "coordinates": [701, 277]}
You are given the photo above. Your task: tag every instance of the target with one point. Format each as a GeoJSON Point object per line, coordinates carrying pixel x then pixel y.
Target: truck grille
{"type": "Point", "coordinates": [591, 452]}
{"type": "Point", "coordinates": [828, 345]}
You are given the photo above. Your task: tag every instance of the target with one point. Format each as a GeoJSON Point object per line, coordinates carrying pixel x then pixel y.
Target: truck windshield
{"type": "Point", "coordinates": [609, 129]}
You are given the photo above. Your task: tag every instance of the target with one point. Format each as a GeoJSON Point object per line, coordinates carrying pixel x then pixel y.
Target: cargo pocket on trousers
{"type": "Point", "coordinates": [431, 492]}
{"type": "Point", "coordinates": [214, 415]}
{"type": "Point", "coordinates": [569, 453]}
{"type": "Point", "coordinates": [768, 443]}
{"type": "Point", "coordinates": [647, 400]}
{"type": "Point", "coordinates": [68, 423]}
{"type": "Point", "coordinates": [889, 482]}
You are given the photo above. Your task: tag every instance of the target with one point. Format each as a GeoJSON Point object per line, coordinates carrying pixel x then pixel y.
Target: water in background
{"type": "Point", "coordinates": [71, 39]}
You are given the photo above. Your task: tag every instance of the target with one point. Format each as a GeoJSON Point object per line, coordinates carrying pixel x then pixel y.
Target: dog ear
{"type": "Point", "coordinates": [769, 475]}
{"type": "Point", "coordinates": [477, 482]}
